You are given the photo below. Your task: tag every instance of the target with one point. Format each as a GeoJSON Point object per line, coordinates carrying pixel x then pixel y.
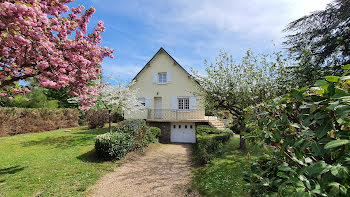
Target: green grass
{"type": "Point", "coordinates": [223, 176]}
{"type": "Point", "coordinates": [54, 163]}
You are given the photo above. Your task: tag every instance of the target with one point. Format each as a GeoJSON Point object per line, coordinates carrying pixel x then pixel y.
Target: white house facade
{"type": "Point", "coordinates": [168, 93]}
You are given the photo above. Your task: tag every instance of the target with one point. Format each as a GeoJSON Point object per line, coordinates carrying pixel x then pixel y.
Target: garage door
{"type": "Point", "coordinates": [183, 132]}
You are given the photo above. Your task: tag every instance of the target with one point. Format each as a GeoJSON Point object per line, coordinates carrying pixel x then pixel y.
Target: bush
{"type": "Point", "coordinates": [135, 133]}
{"type": "Point", "coordinates": [117, 117]}
{"type": "Point", "coordinates": [82, 117]}
{"type": "Point", "coordinates": [113, 145]}
{"type": "Point", "coordinates": [96, 118]}
{"type": "Point", "coordinates": [130, 125]}
{"type": "Point", "coordinates": [28, 120]}
{"type": "Point", "coordinates": [154, 133]}
{"type": "Point", "coordinates": [307, 133]}
{"type": "Point", "coordinates": [210, 143]}
{"type": "Point", "coordinates": [205, 129]}
{"type": "Point", "coordinates": [137, 128]}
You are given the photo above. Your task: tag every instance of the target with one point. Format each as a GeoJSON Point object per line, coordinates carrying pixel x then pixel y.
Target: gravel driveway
{"type": "Point", "coordinates": [162, 171]}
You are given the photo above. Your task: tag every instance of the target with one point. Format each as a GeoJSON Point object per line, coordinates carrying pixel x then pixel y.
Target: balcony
{"type": "Point", "coordinates": [176, 115]}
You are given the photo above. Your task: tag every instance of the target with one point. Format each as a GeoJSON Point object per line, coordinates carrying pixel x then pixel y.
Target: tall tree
{"type": "Point", "coordinates": [235, 86]}
{"type": "Point", "coordinates": [321, 41]}
{"type": "Point", "coordinates": [37, 42]}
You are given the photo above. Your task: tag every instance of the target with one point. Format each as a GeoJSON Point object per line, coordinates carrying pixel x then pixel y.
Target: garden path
{"type": "Point", "coordinates": [162, 171]}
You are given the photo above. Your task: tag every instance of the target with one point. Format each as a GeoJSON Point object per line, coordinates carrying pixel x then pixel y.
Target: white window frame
{"type": "Point", "coordinates": [162, 78]}
{"type": "Point", "coordinates": [183, 103]}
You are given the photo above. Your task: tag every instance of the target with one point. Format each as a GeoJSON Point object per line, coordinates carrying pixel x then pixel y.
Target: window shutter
{"type": "Point", "coordinates": [193, 102]}
{"type": "Point", "coordinates": [148, 102]}
{"type": "Point", "coordinates": [174, 103]}
{"type": "Point", "coordinates": [155, 78]}
{"type": "Point", "coordinates": [168, 77]}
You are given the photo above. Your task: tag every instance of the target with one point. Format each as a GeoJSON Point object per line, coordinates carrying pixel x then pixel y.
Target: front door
{"type": "Point", "coordinates": [158, 107]}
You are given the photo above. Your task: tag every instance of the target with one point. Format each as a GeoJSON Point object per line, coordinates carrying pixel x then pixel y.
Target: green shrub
{"type": "Point", "coordinates": [154, 133]}
{"type": "Point", "coordinates": [127, 135]}
{"type": "Point", "coordinates": [113, 145]}
{"type": "Point", "coordinates": [137, 128]}
{"type": "Point", "coordinates": [117, 116]}
{"type": "Point", "coordinates": [206, 129]}
{"type": "Point", "coordinates": [307, 133]}
{"type": "Point", "coordinates": [130, 125]}
{"type": "Point", "coordinates": [210, 143]}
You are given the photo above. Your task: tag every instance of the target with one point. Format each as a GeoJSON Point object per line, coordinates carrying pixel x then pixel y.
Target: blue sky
{"type": "Point", "coordinates": [191, 31]}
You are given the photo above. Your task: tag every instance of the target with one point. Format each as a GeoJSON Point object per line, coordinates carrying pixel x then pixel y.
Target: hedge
{"type": "Point", "coordinates": [127, 135]}
{"type": "Point", "coordinates": [29, 120]}
{"type": "Point", "coordinates": [210, 143]}
{"type": "Point", "coordinates": [113, 145]}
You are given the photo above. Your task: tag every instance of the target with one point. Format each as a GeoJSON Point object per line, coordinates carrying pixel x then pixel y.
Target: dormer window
{"type": "Point", "coordinates": [162, 78]}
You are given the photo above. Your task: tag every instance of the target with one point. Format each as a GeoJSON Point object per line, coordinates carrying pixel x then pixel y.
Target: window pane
{"type": "Point", "coordinates": [162, 78]}
{"type": "Point", "coordinates": [186, 103]}
{"type": "Point", "coordinates": [180, 103]}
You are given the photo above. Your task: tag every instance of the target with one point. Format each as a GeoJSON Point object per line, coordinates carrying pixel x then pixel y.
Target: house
{"type": "Point", "coordinates": [168, 93]}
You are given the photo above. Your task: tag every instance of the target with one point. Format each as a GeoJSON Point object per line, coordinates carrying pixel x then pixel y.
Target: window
{"type": "Point", "coordinates": [142, 100]}
{"type": "Point", "coordinates": [162, 78]}
{"type": "Point", "coordinates": [185, 126]}
{"type": "Point", "coordinates": [184, 103]}
{"type": "Point", "coordinates": [179, 126]}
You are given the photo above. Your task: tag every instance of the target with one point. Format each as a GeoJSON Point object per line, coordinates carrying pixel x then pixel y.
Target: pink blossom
{"type": "Point", "coordinates": [29, 48]}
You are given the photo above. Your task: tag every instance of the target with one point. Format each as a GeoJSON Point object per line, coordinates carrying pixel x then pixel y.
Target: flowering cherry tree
{"type": "Point", "coordinates": [37, 42]}
{"type": "Point", "coordinates": [119, 96]}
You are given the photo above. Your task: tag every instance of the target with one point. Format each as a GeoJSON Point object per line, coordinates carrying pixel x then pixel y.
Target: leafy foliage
{"type": "Point", "coordinates": [35, 99]}
{"type": "Point", "coordinates": [307, 134]}
{"type": "Point", "coordinates": [154, 134]}
{"type": "Point", "coordinates": [210, 142]}
{"type": "Point", "coordinates": [113, 145]}
{"type": "Point", "coordinates": [233, 86]}
{"type": "Point", "coordinates": [114, 98]}
{"type": "Point", "coordinates": [223, 176]}
{"type": "Point", "coordinates": [61, 96]}
{"type": "Point", "coordinates": [321, 42]}
{"type": "Point", "coordinates": [128, 135]}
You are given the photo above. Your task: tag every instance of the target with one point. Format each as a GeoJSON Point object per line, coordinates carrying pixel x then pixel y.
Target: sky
{"type": "Point", "coordinates": [191, 31]}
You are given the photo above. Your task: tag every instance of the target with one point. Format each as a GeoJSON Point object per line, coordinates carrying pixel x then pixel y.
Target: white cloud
{"type": "Point", "coordinates": [253, 18]}
{"type": "Point", "coordinates": [195, 30]}
{"type": "Point", "coordinates": [122, 71]}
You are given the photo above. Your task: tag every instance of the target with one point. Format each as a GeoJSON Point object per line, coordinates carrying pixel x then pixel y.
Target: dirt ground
{"type": "Point", "coordinates": [164, 170]}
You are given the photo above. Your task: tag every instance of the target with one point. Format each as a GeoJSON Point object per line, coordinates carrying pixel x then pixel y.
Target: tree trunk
{"type": "Point", "coordinates": [242, 142]}
{"type": "Point", "coordinates": [110, 120]}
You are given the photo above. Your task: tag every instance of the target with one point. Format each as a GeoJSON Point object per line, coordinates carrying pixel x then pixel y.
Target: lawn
{"type": "Point", "coordinates": [54, 163]}
{"type": "Point", "coordinates": [223, 176]}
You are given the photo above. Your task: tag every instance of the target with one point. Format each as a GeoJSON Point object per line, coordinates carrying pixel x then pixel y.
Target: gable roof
{"type": "Point", "coordinates": [159, 51]}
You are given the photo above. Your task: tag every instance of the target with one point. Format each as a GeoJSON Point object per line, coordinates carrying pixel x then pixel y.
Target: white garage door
{"type": "Point", "coordinates": [183, 132]}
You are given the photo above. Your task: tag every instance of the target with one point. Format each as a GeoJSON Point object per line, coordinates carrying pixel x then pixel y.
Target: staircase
{"type": "Point", "coordinates": [216, 123]}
